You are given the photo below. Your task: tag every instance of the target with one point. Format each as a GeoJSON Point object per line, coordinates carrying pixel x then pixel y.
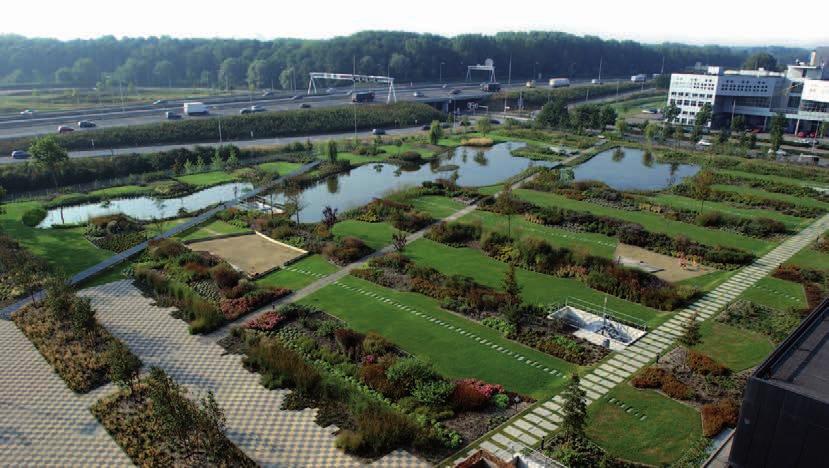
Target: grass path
{"type": "Point", "coordinates": [651, 221]}
{"type": "Point", "coordinates": [458, 347]}
{"type": "Point", "coordinates": [737, 349]}
{"type": "Point", "coordinates": [800, 201]}
{"type": "Point", "coordinates": [792, 222]}
{"type": "Point", "coordinates": [300, 274]}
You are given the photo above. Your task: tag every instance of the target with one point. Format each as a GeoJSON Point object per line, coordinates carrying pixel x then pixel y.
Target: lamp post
{"type": "Point", "coordinates": [216, 108]}
{"type": "Point", "coordinates": [440, 74]}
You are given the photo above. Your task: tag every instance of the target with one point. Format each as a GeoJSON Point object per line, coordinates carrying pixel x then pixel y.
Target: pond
{"type": "Point", "coordinates": [475, 167]}
{"type": "Point", "coordinates": [146, 208]}
{"type": "Point", "coordinates": [632, 169]}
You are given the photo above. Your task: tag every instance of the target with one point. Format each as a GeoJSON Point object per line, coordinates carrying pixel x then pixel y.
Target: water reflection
{"type": "Point", "coordinates": [632, 169]}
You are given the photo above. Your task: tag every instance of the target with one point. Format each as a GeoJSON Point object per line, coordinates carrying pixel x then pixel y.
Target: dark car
{"type": "Point", "coordinates": [495, 121]}
{"type": "Point", "coordinates": [296, 97]}
{"type": "Point", "coordinates": [378, 131]}
{"type": "Point", "coordinates": [455, 91]}
{"type": "Point", "coordinates": [86, 124]}
{"type": "Point", "coordinates": [305, 105]}
{"type": "Point", "coordinates": [170, 115]}
{"type": "Point", "coordinates": [426, 127]}
{"type": "Point", "coordinates": [65, 129]}
{"type": "Point", "coordinates": [20, 154]}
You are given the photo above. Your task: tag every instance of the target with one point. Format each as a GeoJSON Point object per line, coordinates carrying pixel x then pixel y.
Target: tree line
{"type": "Point", "coordinates": [285, 63]}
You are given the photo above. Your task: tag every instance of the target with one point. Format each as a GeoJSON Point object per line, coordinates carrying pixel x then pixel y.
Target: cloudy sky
{"type": "Point", "coordinates": [757, 22]}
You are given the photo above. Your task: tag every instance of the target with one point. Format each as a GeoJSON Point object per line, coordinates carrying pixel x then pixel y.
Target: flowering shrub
{"type": "Point", "coordinates": [268, 321]}
{"type": "Point", "coordinates": [470, 394]}
{"type": "Point", "coordinates": [235, 308]}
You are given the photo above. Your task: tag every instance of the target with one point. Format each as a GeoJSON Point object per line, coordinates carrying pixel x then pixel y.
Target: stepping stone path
{"type": "Point", "coordinates": [477, 339]}
{"type": "Point", "coordinates": [304, 272]}
{"type": "Point", "coordinates": [601, 381]}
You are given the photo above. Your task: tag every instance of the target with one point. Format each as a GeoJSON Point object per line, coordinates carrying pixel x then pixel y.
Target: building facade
{"type": "Point", "coordinates": [801, 93]}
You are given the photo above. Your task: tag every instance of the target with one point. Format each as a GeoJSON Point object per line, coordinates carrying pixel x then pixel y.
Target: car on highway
{"type": "Point", "coordinates": [349, 92]}
{"type": "Point", "coordinates": [444, 86]}
{"type": "Point", "coordinates": [704, 143]}
{"type": "Point", "coordinates": [426, 127]}
{"type": "Point", "coordinates": [305, 105]}
{"type": "Point", "coordinates": [27, 112]}
{"type": "Point", "coordinates": [296, 97]}
{"type": "Point", "coordinates": [495, 121]}
{"type": "Point", "coordinates": [170, 115]}
{"type": "Point", "coordinates": [417, 94]}
{"type": "Point", "coordinates": [65, 129]}
{"type": "Point", "coordinates": [378, 131]}
{"type": "Point", "coordinates": [267, 94]}
{"type": "Point", "coordinates": [86, 124]}
{"type": "Point", "coordinates": [331, 90]}
{"type": "Point", "coordinates": [245, 110]}
{"type": "Point", "coordinates": [20, 154]}
{"type": "Point", "coordinates": [256, 108]}
{"type": "Point", "coordinates": [159, 102]}
{"type": "Point", "coordinates": [455, 91]}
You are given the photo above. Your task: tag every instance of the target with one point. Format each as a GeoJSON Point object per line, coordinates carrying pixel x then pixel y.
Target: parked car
{"type": "Point", "coordinates": [455, 91]}
{"type": "Point", "coordinates": [27, 112]}
{"type": "Point", "coordinates": [305, 105]}
{"type": "Point", "coordinates": [378, 131]}
{"type": "Point", "coordinates": [86, 124]}
{"type": "Point", "coordinates": [170, 115]}
{"type": "Point", "coordinates": [159, 102]}
{"type": "Point", "coordinates": [65, 129]}
{"type": "Point", "coordinates": [20, 154]}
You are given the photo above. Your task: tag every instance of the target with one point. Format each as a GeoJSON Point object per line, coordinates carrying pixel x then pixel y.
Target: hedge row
{"type": "Point", "coordinates": [754, 166]}
{"type": "Point", "coordinates": [240, 127]}
{"type": "Point", "coordinates": [537, 97]}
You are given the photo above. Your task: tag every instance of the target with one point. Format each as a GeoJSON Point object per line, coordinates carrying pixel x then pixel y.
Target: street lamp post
{"type": "Point", "coordinates": [220, 123]}
{"type": "Point", "coordinates": [440, 80]}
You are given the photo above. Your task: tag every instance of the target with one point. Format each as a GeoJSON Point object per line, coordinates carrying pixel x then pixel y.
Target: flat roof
{"type": "Point", "coordinates": [801, 362]}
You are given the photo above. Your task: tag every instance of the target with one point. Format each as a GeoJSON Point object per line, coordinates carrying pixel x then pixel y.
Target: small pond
{"type": "Point", "coordinates": [475, 167]}
{"type": "Point", "coordinates": [146, 208]}
{"type": "Point", "coordinates": [631, 169]}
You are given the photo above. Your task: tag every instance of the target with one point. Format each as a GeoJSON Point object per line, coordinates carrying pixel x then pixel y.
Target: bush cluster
{"type": "Point", "coordinates": [705, 365]}
{"type": "Point", "coordinates": [202, 315]}
{"type": "Point", "coordinates": [454, 234]}
{"type": "Point", "coordinates": [776, 324]}
{"type": "Point", "coordinates": [237, 307]}
{"type": "Point", "coordinates": [657, 378]}
{"type": "Point", "coordinates": [401, 215]}
{"type": "Point", "coordinates": [33, 216]}
{"type": "Point", "coordinates": [719, 415]}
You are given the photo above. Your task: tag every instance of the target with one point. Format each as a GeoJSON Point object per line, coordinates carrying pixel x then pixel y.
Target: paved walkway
{"type": "Point", "coordinates": [42, 422]}
{"type": "Point", "coordinates": [528, 428]}
{"type": "Point", "coordinates": [272, 437]}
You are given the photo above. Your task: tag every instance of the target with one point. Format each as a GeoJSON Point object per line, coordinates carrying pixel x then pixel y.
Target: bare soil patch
{"type": "Point", "coordinates": [253, 254]}
{"type": "Point", "coordinates": [671, 267]}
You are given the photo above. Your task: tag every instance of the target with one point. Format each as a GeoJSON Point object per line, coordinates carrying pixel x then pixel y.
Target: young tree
{"type": "Point", "coordinates": [671, 113]}
{"type": "Point", "coordinates": [200, 166]}
{"type": "Point", "coordinates": [778, 126]}
{"type": "Point", "coordinates": [608, 116]}
{"type": "Point", "coordinates": [49, 155]}
{"type": "Point", "coordinates": [329, 216]}
{"type": "Point", "coordinates": [171, 410]}
{"type": "Point", "coordinates": [82, 315]}
{"type": "Point", "coordinates": [738, 123]}
{"type": "Point", "coordinates": [217, 163]}
{"type": "Point", "coordinates": [124, 367]}
{"type": "Point", "coordinates": [511, 286]}
{"type": "Point", "coordinates": [211, 423]}
{"type": "Point", "coordinates": [650, 132]}
{"type": "Point", "coordinates": [506, 204]}
{"type": "Point", "coordinates": [701, 185]}
{"type": "Point", "coordinates": [484, 125]}
{"type": "Point", "coordinates": [725, 134]}
{"type": "Point", "coordinates": [701, 120]}
{"type": "Point", "coordinates": [692, 334]}
{"type": "Point", "coordinates": [399, 241]}
{"type": "Point", "coordinates": [621, 126]}
{"type": "Point", "coordinates": [233, 159]}
{"type": "Point", "coordinates": [574, 410]}
{"type": "Point", "coordinates": [294, 200]}
{"type": "Point", "coordinates": [331, 151]}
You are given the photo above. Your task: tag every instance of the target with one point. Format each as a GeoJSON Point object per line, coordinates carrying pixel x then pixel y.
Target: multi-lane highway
{"type": "Point", "coordinates": [19, 126]}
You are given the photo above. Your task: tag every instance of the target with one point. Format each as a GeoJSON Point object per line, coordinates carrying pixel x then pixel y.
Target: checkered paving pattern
{"type": "Point", "coordinates": [528, 428]}
{"type": "Point", "coordinates": [255, 423]}
{"type": "Point", "coordinates": [42, 422]}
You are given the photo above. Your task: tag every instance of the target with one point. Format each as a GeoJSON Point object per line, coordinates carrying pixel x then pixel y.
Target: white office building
{"type": "Point", "coordinates": [801, 93]}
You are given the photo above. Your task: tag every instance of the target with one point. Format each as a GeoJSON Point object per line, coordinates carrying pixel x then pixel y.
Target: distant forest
{"type": "Point", "coordinates": [283, 63]}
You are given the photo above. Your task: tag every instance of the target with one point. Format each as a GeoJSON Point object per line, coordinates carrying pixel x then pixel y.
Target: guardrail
{"type": "Point", "coordinates": [601, 311]}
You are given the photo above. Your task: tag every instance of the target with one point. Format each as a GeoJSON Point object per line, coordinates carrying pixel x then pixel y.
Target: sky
{"type": "Point", "coordinates": [697, 22]}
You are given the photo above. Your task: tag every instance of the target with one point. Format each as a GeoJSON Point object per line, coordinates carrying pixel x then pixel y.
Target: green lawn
{"type": "Point", "coordinates": [391, 151]}
{"type": "Point", "coordinates": [455, 355]}
{"type": "Point", "coordinates": [215, 227]}
{"type": "Point", "coordinates": [772, 178]}
{"type": "Point", "coordinates": [300, 274]}
{"type": "Point", "coordinates": [375, 235]}
{"type": "Point", "coordinates": [737, 349]}
{"type": "Point", "coordinates": [437, 206]}
{"type": "Point", "coordinates": [537, 288]}
{"type": "Point", "coordinates": [776, 293]}
{"type": "Point", "coordinates": [709, 281]}
{"type": "Point", "coordinates": [66, 250]}
{"type": "Point", "coordinates": [596, 244]}
{"type": "Point", "coordinates": [800, 201]}
{"type": "Point", "coordinates": [123, 191]}
{"type": "Point", "coordinates": [792, 222]}
{"type": "Point", "coordinates": [812, 258]}
{"type": "Point", "coordinates": [207, 178]}
{"type": "Point", "coordinates": [651, 221]}
{"type": "Point", "coordinates": [108, 276]}
{"type": "Point", "coordinates": [282, 168]}
{"type": "Point", "coordinates": [668, 429]}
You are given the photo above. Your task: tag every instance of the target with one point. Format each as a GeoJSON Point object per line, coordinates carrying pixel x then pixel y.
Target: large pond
{"type": "Point", "coordinates": [146, 208]}
{"type": "Point", "coordinates": [475, 167]}
{"type": "Point", "coordinates": [632, 169]}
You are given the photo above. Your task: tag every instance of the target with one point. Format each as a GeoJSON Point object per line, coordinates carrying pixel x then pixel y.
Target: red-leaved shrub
{"type": "Point", "coordinates": [651, 377]}
{"type": "Point", "coordinates": [268, 321]}
{"type": "Point", "coordinates": [704, 365]}
{"type": "Point", "coordinates": [718, 415]}
{"type": "Point", "coordinates": [235, 308]}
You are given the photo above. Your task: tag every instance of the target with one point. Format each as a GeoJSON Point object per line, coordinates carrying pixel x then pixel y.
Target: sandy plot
{"type": "Point", "coordinates": [671, 270]}
{"type": "Point", "coordinates": [253, 254]}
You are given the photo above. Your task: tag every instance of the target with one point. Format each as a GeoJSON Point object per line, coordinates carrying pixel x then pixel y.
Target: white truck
{"type": "Point", "coordinates": [195, 108]}
{"type": "Point", "coordinates": [640, 78]}
{"type": "Point", "coordinates": [559, 82]}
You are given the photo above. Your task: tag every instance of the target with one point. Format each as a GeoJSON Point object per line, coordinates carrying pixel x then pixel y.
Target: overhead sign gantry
{"type": "Point", "coordinates": [488, 66]}
{"type": "Point", "coordinates": [312, 84]}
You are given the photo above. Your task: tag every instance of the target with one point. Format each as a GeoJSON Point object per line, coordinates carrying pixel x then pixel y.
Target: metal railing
{"type": "Point", "coordinates": [601, 311]}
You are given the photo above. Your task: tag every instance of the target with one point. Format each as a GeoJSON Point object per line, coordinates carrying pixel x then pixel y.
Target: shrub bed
{"type": "Point", "coordinates": [64, 330]}
{"type": "Point", "coordinates": [34, 216]}
{"type": "Point", "coordinates": [776, 324]}
{"type": "Point", "coordinates": [751, 201]}
{"type": "Point", "coordinates": [719, 415]}
{"type": "Point", "coordinates": [137, 418]}
{"type": "Point", "coordinates": [20, 271]}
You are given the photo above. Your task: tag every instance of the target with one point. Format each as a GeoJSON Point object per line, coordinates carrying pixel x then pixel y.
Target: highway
{"type": "Point", "coordinates": [17, 126]}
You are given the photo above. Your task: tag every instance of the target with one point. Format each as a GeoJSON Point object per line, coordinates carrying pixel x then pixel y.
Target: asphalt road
{"type": "Point", "coordinates": [39, 125]}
